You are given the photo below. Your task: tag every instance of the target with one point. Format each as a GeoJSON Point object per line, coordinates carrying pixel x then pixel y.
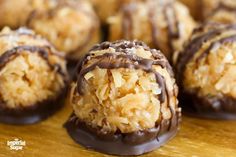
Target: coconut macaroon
{"type": "Point", "coordinates": [207, 72]}
{"type": "Point", "coordinates": [148, 21]}
{"type": "Point", "coordinates": [70, 25]}
{"type": "Point", "coordinates": [33, 76]}
{"type": "Point", "coordinates": [125, 97]}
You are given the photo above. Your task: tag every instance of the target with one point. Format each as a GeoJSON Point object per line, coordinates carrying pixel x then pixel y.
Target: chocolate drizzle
{"type": "Point", "coordinates": [43, 52]}
{"type": "Point", "coordinates": [214, 44]}
{"type": "Point", "coordinates": [124, 58]}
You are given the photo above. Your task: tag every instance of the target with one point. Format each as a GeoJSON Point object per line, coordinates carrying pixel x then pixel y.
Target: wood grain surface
{"type": "Point", "coordinates": [197, 137]}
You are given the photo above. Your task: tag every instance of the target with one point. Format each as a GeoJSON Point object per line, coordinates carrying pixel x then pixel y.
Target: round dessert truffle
{"type": "Point", "coordinates": [33, 77]}
{"type": "Point", "coordinates": [206, 72]}
{"type": "Point", "coordinates": [71, 26]}
{"type": "Point", "coordinates": [163, 25]}
{"type": "Point", "coordinates": [125, 97]}
{"type": "Point", "coordinates": [224, 13]}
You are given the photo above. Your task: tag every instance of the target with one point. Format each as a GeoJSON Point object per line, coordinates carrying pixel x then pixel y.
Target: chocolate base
{"type": "Point", "coordinates": [32, 114]}
{"type": "Point", "coordinates": [136, 143]}
{"type": "Point", "coordinates": [208, 107]}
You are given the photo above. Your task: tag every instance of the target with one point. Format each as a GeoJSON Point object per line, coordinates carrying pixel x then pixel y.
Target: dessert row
{"type": "Point", "coordinates": [124, 91]}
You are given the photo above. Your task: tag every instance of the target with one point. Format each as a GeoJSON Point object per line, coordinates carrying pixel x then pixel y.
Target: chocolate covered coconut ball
{"type": "Point", "coordinates": [70, 25]}
{"type": "Point", "coordinates": [164, 25]}
{"type": "Point", "coordinates": [33, 77]}
{"type": "Point", "coordinates": [207, 72]}
{"type": "Point", "coordinates": [124, 99]}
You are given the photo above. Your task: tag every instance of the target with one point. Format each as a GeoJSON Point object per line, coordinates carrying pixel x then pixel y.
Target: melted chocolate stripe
{"type": "Point", "coordinates": [221, 41]}
{"type": "Point", "coordinates": [13, 53]}
{"type": "Point", "coordinates": [134, 44]}
{"type": "Point", "coordinates": [140, 60]}
{"type": "Point", "coordinates": [114, 65]}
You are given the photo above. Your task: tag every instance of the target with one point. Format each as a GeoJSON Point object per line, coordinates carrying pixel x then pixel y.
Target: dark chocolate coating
{"type": "Point", "coordinates": [33, 114]}
{"type": "Point", "coordinates": [135, 143]}
{"type": "Point", "coordinates": [214, 107]}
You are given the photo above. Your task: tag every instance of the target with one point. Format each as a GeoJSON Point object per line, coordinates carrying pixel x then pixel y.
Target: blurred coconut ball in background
{"type": "Point", "coordinates": [33, 75]}
{"type": "Point", "coordinates": [71, 26]}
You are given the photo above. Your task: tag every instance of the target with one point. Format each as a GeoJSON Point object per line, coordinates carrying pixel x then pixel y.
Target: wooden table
{"type": "Point", "coordinates": [197, 137]}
